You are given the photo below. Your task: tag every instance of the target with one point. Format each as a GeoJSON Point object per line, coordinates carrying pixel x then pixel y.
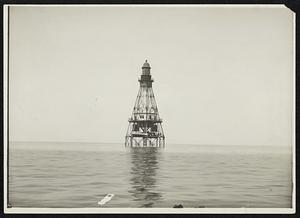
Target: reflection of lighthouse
{"type": "Point", "coordinates": [145, 124]}
{"type": "Point", "coordinates": [143, 172]}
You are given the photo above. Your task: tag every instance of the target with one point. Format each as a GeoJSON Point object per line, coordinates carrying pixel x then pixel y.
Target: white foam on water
{"type": "Point", "coordinates": [106, 199]}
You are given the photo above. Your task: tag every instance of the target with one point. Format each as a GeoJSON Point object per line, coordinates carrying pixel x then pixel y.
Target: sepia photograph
{"type": "Point", "coordinates": [149, 109]}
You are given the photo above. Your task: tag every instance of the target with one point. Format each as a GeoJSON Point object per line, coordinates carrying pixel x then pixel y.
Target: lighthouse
{"type": "Point", "coordinates": [145, 125]}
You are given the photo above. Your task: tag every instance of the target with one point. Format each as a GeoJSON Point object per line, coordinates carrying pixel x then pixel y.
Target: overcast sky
{"type": "Point", "coordinates": [221, 75]}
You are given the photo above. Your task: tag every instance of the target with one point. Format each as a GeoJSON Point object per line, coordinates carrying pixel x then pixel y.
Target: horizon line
{"type": "Point", "coordinates": [95, 142]}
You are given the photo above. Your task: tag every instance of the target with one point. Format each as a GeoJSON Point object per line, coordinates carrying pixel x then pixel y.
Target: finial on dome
{"type": "Point", "coordinates": [146, 65]}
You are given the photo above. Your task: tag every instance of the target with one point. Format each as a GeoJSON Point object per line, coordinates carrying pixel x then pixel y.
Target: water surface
{"type": "Point", "coordinates": [81, 174]}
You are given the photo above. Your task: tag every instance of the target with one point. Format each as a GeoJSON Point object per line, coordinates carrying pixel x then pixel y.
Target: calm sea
{"type": "Point", "coordinates": [81, 174]}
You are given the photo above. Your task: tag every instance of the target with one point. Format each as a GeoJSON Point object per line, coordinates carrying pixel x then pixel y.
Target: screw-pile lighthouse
{"type": "Point", "coordinates": [145, 127]}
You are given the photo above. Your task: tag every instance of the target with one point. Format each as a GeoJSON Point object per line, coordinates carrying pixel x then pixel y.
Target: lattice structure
{"type": "Point", "coordinates": [145, 129]}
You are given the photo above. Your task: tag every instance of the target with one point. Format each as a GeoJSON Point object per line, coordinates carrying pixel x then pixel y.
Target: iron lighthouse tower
{"type": "Point", "coordinates": [145, 126]}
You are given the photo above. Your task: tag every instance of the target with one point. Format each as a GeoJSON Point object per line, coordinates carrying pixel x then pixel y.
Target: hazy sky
{"type": "Point", "coordinates": [221, 75]}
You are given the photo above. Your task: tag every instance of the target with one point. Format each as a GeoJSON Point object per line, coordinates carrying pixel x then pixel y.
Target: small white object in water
{"type": "Point", "coordinates": [106, 199]}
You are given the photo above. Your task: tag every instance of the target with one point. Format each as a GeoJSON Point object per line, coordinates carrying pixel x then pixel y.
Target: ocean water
{"type": "Point", "coordinates": [81, 174]}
